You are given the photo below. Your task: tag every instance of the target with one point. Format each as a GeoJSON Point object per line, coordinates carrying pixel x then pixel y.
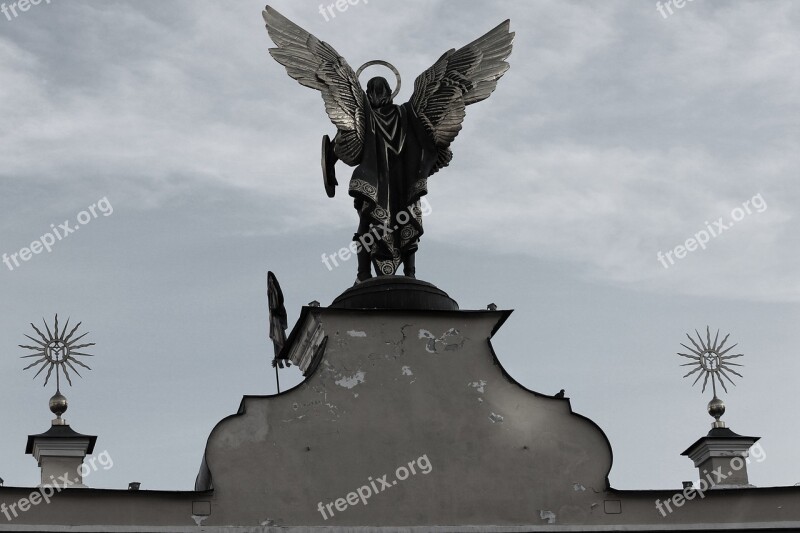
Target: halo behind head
{"type": "Point", "coordinates": [387, 65]}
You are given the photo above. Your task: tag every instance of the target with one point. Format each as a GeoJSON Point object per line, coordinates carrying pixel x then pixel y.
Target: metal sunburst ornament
{"type": "Point", "coordinates": [712, 361]}
{"type": "Point", "coordinates": [59, 351]}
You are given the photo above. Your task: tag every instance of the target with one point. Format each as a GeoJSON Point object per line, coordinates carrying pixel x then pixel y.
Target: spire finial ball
{"type": "Point", "coordinates": [58, 404]}
{"type": "Point", "coordinates": [716, 408]}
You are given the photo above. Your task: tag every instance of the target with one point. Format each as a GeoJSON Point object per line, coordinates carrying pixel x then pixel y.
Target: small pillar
{"type": "Point", "coordinates": [60, 450]}
{"type": "Point", "coordinates": [721, 456]}
{"type": "Point", "coordinates": [724, 452]}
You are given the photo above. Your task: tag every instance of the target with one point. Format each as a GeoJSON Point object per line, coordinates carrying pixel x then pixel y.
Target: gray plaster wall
{"type": "Point", "coordinates": [393, 387]}
{"type": "Point", "coordinates": [84, 509]}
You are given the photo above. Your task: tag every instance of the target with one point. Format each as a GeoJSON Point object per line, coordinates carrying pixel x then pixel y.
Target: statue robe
{"type": "Point", "coordinates": [398, 157]}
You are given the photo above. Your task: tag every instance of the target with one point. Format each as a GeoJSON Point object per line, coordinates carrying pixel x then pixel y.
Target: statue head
{"type": "Point", "coordinates": [379, 92]}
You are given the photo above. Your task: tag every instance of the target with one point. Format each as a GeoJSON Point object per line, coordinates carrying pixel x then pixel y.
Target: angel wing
{"type": "Point", "coordinates": [317, 65]}
{"type": "Point", "coordinates": [459, 78]}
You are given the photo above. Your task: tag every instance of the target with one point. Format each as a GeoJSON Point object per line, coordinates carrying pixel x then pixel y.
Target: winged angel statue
{"type": "Point", "coordinates": [395, 148]}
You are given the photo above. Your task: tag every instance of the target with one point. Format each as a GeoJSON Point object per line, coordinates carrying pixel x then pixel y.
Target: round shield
{"type": "Point", "coordinates": [328, 167]}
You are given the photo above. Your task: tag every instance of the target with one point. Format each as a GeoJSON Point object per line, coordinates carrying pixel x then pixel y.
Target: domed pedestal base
{"type": "Point", "coordinates": [395, 292]}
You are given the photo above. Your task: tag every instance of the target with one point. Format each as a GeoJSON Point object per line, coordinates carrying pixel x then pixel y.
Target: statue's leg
{"type": "Point", "coordinates": [364, 266]}
{"type": "Point", "coordinates": [409, 265]}
{"type": "Point", "coordinates": [364, 256]}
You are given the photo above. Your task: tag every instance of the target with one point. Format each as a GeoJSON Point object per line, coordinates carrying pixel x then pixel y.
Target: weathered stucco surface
{"type": "Point", "coordinates": [393, 387]}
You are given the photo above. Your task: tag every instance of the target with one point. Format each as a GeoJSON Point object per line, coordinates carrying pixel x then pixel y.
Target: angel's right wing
{"type": "Point", "coordinates": [459, 78]}
{"type": "Point", "coordinates": [316, 64]}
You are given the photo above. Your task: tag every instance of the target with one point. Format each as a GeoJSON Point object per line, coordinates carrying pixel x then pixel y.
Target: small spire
{"type": "Point", "coordinates": [710, 359]}
{"type": "Point", "coordinates": [57, 350]}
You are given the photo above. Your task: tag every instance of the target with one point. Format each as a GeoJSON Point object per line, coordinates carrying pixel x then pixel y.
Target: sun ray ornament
{"type": "Point", "coordinates": [712, 360]}
{"type": "Point", "coordinates": [57, 350]}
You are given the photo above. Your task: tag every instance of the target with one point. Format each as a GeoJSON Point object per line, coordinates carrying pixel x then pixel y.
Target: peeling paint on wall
{"type": "Point", "coordinates": [330, 418]}
{"type": "Point", "coordinates": [478, 385]}
{"type": "Point", "coordinates": [550, 516]}
{"type": "Point", "coordinates": [450, 340]}
{"type": "Point", "coordinates": [495, 418]}
{"type": "Point", "coordinates": [352, 381]}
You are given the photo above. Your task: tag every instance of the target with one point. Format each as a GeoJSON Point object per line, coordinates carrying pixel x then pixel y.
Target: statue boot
{"type": "Point", "coordinates": [364, 266]}
{"type": "Point", "coordinates": [409, 265]}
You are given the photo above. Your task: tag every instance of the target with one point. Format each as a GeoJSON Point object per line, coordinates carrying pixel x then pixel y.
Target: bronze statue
{"type": "Point", "coordinates": [395, 148]}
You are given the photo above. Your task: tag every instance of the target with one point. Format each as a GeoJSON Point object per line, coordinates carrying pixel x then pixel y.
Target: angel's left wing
{"type": "Point", "coordinates": [317, 65]}
{"type": "Point", "coordinates": [459, 78]}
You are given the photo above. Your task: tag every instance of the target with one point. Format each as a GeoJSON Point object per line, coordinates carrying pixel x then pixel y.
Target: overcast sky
{"type": "Point", "coordinates": [618, 133]}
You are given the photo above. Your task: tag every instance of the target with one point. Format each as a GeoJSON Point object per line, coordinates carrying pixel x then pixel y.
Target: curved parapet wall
{"type": "Point", "coordinates": [405, 418]}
